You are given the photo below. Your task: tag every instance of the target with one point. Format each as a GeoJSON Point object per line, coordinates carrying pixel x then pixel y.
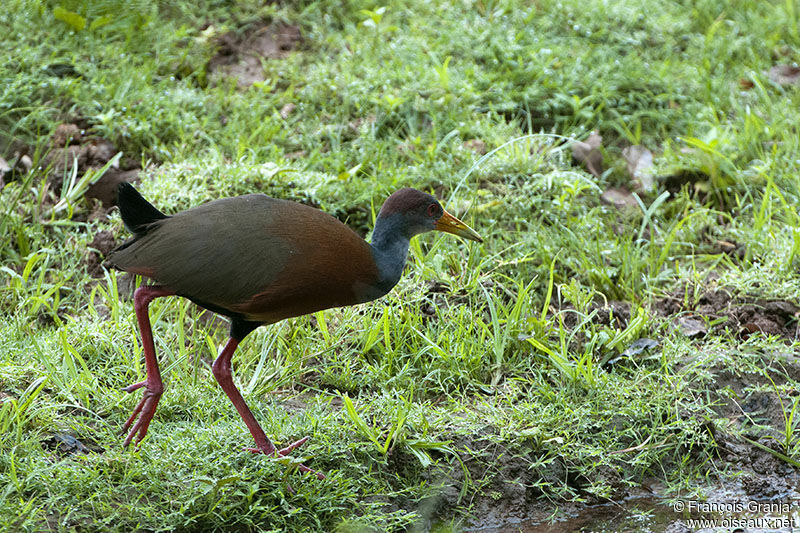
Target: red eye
{"type": "Point", "coordinates": [432, 211]}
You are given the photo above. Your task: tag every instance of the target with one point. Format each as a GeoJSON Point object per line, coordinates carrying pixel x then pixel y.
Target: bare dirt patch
{"type": "Point", "coordinates": [71, 146]}
{"type": "Point", "coordinates": [511, 503]}
{"type": "Point", "coordinates": [241, 53]}
{"type": "Point", "coordinates": [748, 410]}
{"type": "Point", "coordinates": [740, 315]}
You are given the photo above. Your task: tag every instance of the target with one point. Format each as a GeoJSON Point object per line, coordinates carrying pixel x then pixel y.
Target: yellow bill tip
{"type": "Point", "coordinates": [450, 224]}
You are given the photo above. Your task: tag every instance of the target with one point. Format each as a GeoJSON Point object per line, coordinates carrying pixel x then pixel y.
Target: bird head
{"type": "Point", "coordinates": [421, 212]}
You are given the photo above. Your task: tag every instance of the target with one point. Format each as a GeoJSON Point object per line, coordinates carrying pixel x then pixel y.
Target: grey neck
{"type": "Point", "coordinates": [390, 248]}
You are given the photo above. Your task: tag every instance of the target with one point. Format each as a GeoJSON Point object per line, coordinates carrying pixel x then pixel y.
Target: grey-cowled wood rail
{"type": "Point", "coordinates": [258, 260]}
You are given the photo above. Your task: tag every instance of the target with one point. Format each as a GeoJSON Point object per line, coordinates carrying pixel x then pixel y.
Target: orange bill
{"type": "Point", "coordinates": [450, 224]}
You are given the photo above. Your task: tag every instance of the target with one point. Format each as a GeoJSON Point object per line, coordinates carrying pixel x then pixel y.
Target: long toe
{"type": "Point", "coordinates": [284, 452]}
{"type": "Point", "coordinates": [292, 446]}
{"type": "Point", "coordinates": [304, 468]}
{"type": "Point", "coordinates": [135, 386]}
{"type": "Point", "coordinates": [141, 417]}
{"type": "Point", "coordinates": [134, 415]}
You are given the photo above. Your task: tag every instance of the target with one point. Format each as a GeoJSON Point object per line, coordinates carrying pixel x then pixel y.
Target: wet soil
{"type": "Point", "coordinates": [71, 146]}
{"type": "Point", "coordinates": [653, 515]}
{"type": "Point", "coordinates": [764, 481]}
{"type": "Point", "coordinates": [633, 515]}
{"type": "Point", "coordinates": [749, 424]}
{"type": "Point", "coordinates": [716, 310]}
{"type": "Point", "coordinates": [97, 250]}
{"type": "Point", "coordinates": [740, 315]}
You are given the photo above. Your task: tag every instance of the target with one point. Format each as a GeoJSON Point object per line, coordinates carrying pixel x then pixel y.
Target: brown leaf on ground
{"type": "Point", "coordinates": [25, 163]}
{"type": "Point", "coordinates": [286, 110]}
{"type": "Point", "coordinates": [639, 161]}
{"type": "Point", "coordinates": [746, 84]}
{"type": "Point", "coordinates": [620, 198]}
{"type": "Point", "coordinates": [588, 153]}
{"type": "Point", "coordinates": [476, 145]}
{"type": "Point", "coordinates": [299, 154]}
{"type": "Point", "coordinates": [730, 248]}
{"type": "Point", "coordinates": [692, 327]}
{"type": "Point", "coordinates": [785, 75]}
{"type": "Point", "coordinates": [356, 123]}
{"type": "Point", "coordinates": [5, 168]}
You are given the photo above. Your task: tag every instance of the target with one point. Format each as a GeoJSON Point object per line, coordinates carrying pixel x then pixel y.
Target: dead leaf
{"type": "Point", "coordinates": [746, 84]}
{"type": "Point", "coordinates": [286, 110]}
{"type": "Point", "coordinates": [588, 153]}
{"type": "Point", "coordinates": [66, 444]}
{"type": "Point", "coordinates": [785, 75]}
{"type": "Point", "coordinates": [692, 327]}
{"type": "Point", "coordinates": [299, 154]}
{"type": "Point", "coordinates": [5, 168]}
{"type": "Point", "coordinates": [26, 163]}
{"type": "Point", "coordinates": [620, 198]}
{"type": "Point", "coordinates": [357, 122]}
{"type": "Point", "coordinates": [639, 160]}
{"type": "Point", "coordinates": [476, 145]}
{"type": "Point", "coordinates": [638, 346]}
{"type": "Point", "coordinates": [748, 328]}
{"type": "Point", "coordinates": [731, 248]}
{"type": "Point", "coordinates": [406, 148]}
{"type": "Point", "coordinates": [635, 348]}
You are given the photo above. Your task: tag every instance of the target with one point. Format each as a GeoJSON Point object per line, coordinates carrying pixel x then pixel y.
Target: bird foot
{"type": "Point", "coordinates": [142, 415]}
{"type": "Point", "coordinates": [270, 449]}
{"type": "Point", "coordinates": [135, 386]}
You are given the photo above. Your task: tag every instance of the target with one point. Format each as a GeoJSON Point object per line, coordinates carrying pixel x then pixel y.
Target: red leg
{"type": "Point", "coordinates": [143, 413]}
{"type": "Point", "coordinates": [222, 372]}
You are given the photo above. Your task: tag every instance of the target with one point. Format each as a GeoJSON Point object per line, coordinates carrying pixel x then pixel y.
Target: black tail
{"type": "Point", "coordinates": [137, 213]}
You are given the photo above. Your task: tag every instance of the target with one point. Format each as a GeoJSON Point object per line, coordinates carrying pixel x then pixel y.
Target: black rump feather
{"type": "Point", "coordinates": [137, 213]}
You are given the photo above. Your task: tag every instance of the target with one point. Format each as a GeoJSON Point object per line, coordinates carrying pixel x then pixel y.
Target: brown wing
{"type": "Point", "coordinates": [263, 258]}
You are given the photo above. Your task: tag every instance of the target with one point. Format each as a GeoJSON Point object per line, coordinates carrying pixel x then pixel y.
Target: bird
{"type": "Point", "coordinates": [258, 260]}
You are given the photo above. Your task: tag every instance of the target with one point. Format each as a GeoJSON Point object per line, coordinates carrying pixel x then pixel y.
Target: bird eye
{"type": "Point", "coordinates": [432, 211]}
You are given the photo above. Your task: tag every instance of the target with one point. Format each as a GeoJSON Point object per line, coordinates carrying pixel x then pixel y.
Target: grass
{"type": "Point", "coordinates": [483, 376]}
